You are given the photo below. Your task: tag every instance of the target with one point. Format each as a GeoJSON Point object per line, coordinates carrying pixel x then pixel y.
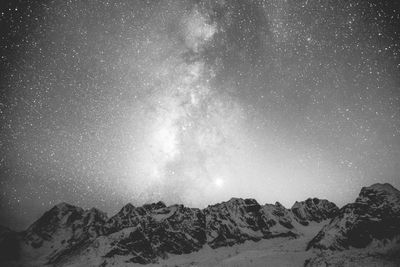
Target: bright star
{"type": "Point", "coordinates": [218, 182]}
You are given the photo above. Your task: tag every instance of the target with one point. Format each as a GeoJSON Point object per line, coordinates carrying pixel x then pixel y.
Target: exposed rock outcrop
{"type": "Point", "coordinates": [374, 216]}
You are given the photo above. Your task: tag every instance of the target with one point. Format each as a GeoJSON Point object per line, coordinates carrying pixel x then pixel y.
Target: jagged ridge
{"type": "Point", "coordinates": [67, 233]}
{"type": "Point", "coordinates": [147, 233]}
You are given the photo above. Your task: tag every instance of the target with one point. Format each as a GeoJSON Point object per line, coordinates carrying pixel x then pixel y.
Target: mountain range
{"type": "Point", "coordinates": [67, 235]}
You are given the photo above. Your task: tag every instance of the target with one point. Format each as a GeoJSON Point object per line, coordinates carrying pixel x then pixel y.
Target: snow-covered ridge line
{"type": "Point", "coordinates": [151, 232]}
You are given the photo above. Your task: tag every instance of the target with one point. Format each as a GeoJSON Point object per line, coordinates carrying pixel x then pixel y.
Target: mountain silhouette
{"type": "Point", "coordinates": [68, 234]}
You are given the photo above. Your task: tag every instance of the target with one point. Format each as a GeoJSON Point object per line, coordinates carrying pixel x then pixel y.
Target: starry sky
{"type": "Point", "coordinates": [195, 101]}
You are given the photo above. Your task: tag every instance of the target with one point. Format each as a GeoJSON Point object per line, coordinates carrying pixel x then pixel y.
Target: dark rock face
{"type": "Point", "coordinates": [314, 209]}
{"type": "Point", "coordinates": [375, 215]}
{"type": "Point", "coordinates": [65, 228]}
{"type": "Point", "coordinates": [135, 243]}
{"type": "Point", "coordinates": [93, 223]}
{"type": "Point", "coordinates": [181, 231]}
{"type": "Point", "coordinates": [234, 221]}
{"type": "Point", "coordinates": [60, 216]}
{"type": "Point", "coordinates": [145, 234]}
{"type": "Point", "coordinates": [131, 216]}
{"type": "Point", "coordinates": [278, 219]}
{"type": "Point", "coordinates": [158, 222]}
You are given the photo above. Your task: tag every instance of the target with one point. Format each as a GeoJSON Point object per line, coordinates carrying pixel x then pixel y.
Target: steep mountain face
{"type": "Point", "coordinates": [154, 230]}
{"type": "Point", "coordinates": [279, 220]}
{"type": "Point", "coordinates": [234, 221]}
{"type": "Point", "coordinates": [62, 229]}
{"type": "Point", "coordinates": [131, 216]}
{"type": "Point", "coordinates": [373, 217]}
{"type": "Point", "coordinates": [145, 234]}
{"type": "Point", "coordinates": [314, 209]}
{"type": "Point", "coordinates": [238, 220]}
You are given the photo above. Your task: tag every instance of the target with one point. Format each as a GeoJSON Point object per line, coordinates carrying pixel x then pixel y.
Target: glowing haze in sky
{"type": "Point", "coordinates": [108, 102]}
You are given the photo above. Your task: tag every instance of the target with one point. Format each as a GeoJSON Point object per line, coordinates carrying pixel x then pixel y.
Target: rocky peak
{"type": "Point", "coordinates": [62, 228]}
{"type": "Point", "coordinates": [234, 221]}
{"type": "Point", "coordinates": [127, 209]}
{"type": "Point", "coordinates": [65, 206]}
{"type": "Point", "coordinates": [386, 187]}
{"type": "Point", "coordinates": [314, 209]}
{"type": "Point", "coordinates": [236, 205]}
{"type": "Point", "coordinates": [374, 216]}
{"type": "Point", "coordinates": [379, 194]}
{"type": "Point", "coordinates": [131, 216]}
{"type": "Point", "coordinates": [60, 216]}
{"type": "Point", "coordinates": [278, 220]}
{"type": "Point", "coordinates": [154, 206]}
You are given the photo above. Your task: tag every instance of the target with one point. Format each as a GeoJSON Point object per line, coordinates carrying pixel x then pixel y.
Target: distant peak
{"type": "Point", "coordinates": [378, 193]}
{"type": "Point", "coordinates": [128, 206]}
{"type": "Point", "coordinates": [246, 201]}
{"type": "Point", "coordinates": [311, 202]}
{"type": "Point", "coordinates": [64, 205]}
{"type": "Point", "coordinates": [153, 206]}
{"type": "Point", "coordinates": [250, 201]}
{"type": "Point", "coordinates": [382, 187]}
{"type": "Point", "coordinates": [235, 201]}
{"type": "Point", "coordinates": [161, 203]}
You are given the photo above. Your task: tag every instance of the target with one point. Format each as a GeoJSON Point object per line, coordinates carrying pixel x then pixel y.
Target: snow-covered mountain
{"type": "Point", "coordinates": [67, 235]}
{"type": "Point", "coordinates": [314, 209]}
{"type": "Point", "coordinates": [373, 217]}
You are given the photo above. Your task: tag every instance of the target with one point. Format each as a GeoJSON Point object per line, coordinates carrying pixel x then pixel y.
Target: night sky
{"type": "Point", "coordinates": [108, 102]}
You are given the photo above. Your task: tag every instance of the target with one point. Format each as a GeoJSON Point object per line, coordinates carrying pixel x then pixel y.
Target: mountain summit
{"type": "Point", "coordinates": [374, 216]}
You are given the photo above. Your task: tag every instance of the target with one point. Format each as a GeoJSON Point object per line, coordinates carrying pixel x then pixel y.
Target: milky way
{"type": "Point", "coordinates": [108, 102]}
